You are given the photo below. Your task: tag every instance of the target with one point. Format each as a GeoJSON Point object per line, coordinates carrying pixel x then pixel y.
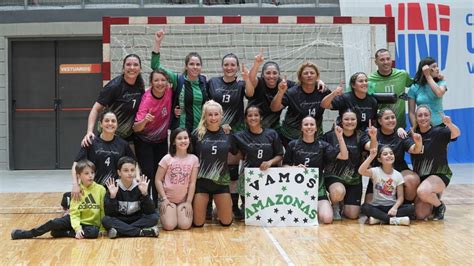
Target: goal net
{"type": "Point", "coordinates": [287, 40]}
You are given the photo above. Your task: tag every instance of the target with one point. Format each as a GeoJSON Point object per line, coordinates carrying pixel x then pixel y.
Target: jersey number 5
{"type": "Point", "coordinates": [214, 150]}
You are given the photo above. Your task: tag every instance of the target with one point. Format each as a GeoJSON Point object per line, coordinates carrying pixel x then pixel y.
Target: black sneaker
{"type": "Point", "coordinates": [438, 212]}
{"type": "Point", "coordinates": [150, 231]}
{"type": "Point", "coordinates": [21, 234]}
{"type": "Point", "coordinates": [237, 213]}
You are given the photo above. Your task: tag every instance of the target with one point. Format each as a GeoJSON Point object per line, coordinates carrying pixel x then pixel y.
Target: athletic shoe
{"type": "Point", "coordinates": [237, 213]}
{"type": "Point", "coordinates": [405, 220]}
{"type": "Point", "coordinates": [336, 210]}
{"type": "Point", "coordinates": [21, 234]}
{"type": "Point", "coordinates": [373, 220]}
{"type": "Point", "coordinates": [112, 233]}
{"type": "Point", "coordinates": [150, 231]}
{"type": "Point", "coordinates": [438, 212]}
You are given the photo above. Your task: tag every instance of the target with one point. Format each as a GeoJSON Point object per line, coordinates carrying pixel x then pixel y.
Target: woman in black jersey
{"type": "Point", "coordinates": [229, 93]}
{"type": "Point", "coordinates": [432, 165]}
{"type": "Point", "coordinates": [212, 148]}
{"type": "Point", "coordinates": [387, 136]}
{"type": "Point", "coordinates": [357, 99]}
{"type": "Point", "coordinates": [104, 152]}
{"type": "Point", "coordinates": [266, 87]}
{"type": "Point", "coordinates": [342, 178]}
{"type": "Point", "coordinates": [309, 151]}
{"type": "Point", "coordinates": [260, 147]}
{"type": "Point", "coordinates": [122, 95]}
{"type": "Point", "coordinates": [302, 100]}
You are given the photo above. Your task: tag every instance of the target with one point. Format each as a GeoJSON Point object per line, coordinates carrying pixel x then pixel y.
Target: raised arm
{"type": "Point", "coordinates": [455, 132]}
{"type": "Point", "coordinates": [276, 105]}
{"type": "Point", "coordinates": [257, 62]}
{"type": "Point", "coordinates": [364, 168]}
{"type": "Point", "coordinates": [326, 103]}
{"type": "Point", "coordinates": [343, 152]}
{"type": "Point", "coordinates": [249, 87]}
{"type": "Point", "coordinates": [439, 91]}
{"type": "Point", "coordinates": [416, 148]}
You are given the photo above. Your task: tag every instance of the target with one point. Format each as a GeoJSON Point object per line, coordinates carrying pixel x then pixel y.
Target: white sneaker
{"type": "Point", "coordinates": [336, 212]}
{"type": "Point", "coordinates": [405, 220]}
{"type": "Point", "coordinates": [373, 220]}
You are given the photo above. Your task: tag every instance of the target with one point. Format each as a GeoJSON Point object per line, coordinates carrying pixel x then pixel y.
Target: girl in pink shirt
{"type": "Point", "coordinates": [176, 182]}
{"type": "Point", "coordinates": [151, 126]}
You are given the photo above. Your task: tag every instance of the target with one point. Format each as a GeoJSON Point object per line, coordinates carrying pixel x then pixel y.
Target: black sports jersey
{"type": "Point", "coordinates": [301, 104]}
{"type": "Point", "coordinates": [434, 159]}
{"type": "Point", "coordinates": [366, 109]}
{"type": "Point", "coordinates": [316, 154]}
{"type": "Point", "coordinates": [258, 148]}
{"type": "Point", "coordinates": [105, 155]}
{"type": "Point", "coordinates": [399, 147]}
{"type": "Point", "coordinates": [347, 170]}
{"type": "Point", "coordinates": [262, 98]}
{"type": "Point", "coordinates": [122, 99]}
{"type": "Point", "coordinates": [212, 151]}
{"type": "Point", "coordinates": [231, 97]}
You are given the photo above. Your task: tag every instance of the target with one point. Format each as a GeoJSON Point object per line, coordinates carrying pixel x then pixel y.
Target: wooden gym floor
{"type": "Point", "coordinates": [345, 242]}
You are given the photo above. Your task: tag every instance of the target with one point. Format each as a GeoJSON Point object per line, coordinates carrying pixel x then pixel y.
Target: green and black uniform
{"type": "Point", "coordinates": [316, 154]}
{"type": "Point", "coordinates": [230, 95]}
{"type": "Point", "coordinates": [301, 104]}
{"type": "Point", "coordinates": [434, 159]}
{"type": "Point", "coordinates": [262, 98]}
{"type": "Point", "coordinates": [190, 99]}
{"type": "Point", "coordinates": [123, 99]}
{"type": "Point", "coordinates": [256, 149]}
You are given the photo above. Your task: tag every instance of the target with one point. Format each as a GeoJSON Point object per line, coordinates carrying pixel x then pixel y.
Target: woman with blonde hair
{"type": "Point", "coordinates": [212, 146]}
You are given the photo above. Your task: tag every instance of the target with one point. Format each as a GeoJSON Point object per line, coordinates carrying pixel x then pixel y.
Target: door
{"type": "Point", "coordinates": [51, 106]}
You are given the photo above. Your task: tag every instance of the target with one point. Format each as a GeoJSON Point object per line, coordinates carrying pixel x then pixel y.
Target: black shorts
{"type": "Point", "coordinates": [445, 179]}
{"type": "Point", "coordinates": [353, 192]}
{"type": "Point", "coordinates": [234, 172]}
{"type": "Point", "coordinates": [204, 185]}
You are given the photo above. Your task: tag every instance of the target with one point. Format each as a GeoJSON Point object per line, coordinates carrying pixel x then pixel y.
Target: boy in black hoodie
{"type": "Point", "coordinates": [129, 210]}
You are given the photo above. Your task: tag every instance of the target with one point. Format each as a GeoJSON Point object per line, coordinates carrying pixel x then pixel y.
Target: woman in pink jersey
{"type": "Point", "coordinates": [176, 182]}
{"type": "Point", "coordinates": [151, 126]}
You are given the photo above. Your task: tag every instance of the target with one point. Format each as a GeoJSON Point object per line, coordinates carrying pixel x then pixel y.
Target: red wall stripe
{"type": "Point", "coordinates": [444, 22]}
{"type": "Point", "coordinates": [342, 20]}
{"type": "Point", "coordinates": [231, 20]}
{"type": "Point", "coordinates": [269, 20]}
{"type": "Point", "coordinates": [194, 20]}
{"type": "Point", "coordinates": [157, 20]}
{"type": "Point", "coordinates": [305, 20]}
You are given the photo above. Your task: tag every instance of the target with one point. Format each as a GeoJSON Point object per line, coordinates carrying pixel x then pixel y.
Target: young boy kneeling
{"type": "Point", "coordinates": [128, 207]}
{"type": "Point", "coordinates": [84, 218]}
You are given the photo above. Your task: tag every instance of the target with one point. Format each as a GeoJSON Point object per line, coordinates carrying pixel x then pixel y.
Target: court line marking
{"type": "Point", "coordinates": [278, 247]}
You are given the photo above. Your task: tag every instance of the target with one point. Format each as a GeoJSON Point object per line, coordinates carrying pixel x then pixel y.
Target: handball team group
{"type": "Point", "coordinates": [129, 173]}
